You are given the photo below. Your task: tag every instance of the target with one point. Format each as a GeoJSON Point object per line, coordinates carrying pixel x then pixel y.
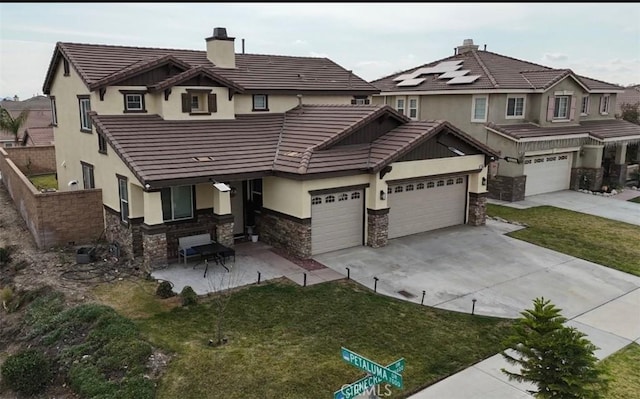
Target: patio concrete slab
{"type": "Point", "coordinates": [607, 207]}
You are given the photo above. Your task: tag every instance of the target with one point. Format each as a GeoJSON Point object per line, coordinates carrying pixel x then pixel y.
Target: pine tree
{"type": "Point", "coordinates": [559, 360]}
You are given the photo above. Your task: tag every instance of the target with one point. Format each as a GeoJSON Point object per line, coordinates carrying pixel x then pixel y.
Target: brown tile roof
{"type": "Point", "coordinates": [138, 66]}
{"type": "Point", "coordinates": [38, 122]}
{"type": "Point", "coordinates": [297, 142]}
{"type": "Point", "coordinates": [188, 74]}
{"type": "Point", "coordinates": [496, 72]}
{"type": "Point", "coordinates": [95, 63]}
{"type": "Point", "coordinates": [609, 130]}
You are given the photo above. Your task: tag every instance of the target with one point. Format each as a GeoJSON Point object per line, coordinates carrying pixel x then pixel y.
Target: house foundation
{"type": "Point", "coordinates": [377, 227]}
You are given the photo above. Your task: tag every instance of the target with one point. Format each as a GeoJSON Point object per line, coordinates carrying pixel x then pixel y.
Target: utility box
{"type": "Point", "coordinates": [85, 254]}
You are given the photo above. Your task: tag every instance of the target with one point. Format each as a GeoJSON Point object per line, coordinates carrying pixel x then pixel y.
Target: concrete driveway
{"type": "Point", "coordinates": [455, 265]}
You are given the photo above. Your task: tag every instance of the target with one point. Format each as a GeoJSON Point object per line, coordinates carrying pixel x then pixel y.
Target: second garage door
{"type": "Point", "coordinates": [547, 173]}
{"type": "Point", "coordinates": [337, 221]}
{"type": "Point", "coordinates": [426, 205]}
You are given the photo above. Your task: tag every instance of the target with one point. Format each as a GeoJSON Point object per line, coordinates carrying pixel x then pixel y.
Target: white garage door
{"type": "Point", "coordinates": [426, 205]}
{"type": "Point", "coordinates": [547, 173]}
{"type": "Point", "coordinates": [336, 221]}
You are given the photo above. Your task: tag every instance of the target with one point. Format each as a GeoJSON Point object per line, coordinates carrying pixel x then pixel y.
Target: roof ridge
{"type": "Point", "coordinates": [131, 47]}
{"type": "Point", "coordinates": [492, 79]}
{"type": "Point", "coordinates": [600, 81]}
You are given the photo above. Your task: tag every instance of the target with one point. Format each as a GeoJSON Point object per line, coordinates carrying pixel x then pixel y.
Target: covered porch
{"type": "Point", "coordinates": [254, 262]}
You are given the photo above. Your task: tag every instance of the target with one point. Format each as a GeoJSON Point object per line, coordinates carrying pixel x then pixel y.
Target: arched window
{"type": "Point", "coordinates": [343, 197]}
{"type": "Point", "coordinates": [449, 182]}
{"type": "Point", "coordinates": [459, 180]}
{"type": "Point", "coordinates": [316, 200]}
{"type": "Point", "coordinates": [440, 183]}
{"type": "Point", "coordinates": [430, 184]}
{"type": "Point", "coordinates": [409, 187]}
{"type": "Point", "coordinates": [398, 189]}
{"type": "Point", "coordinates": [420, 186]}
{"type": "Point", "coordinates": [329, 199]}
{"type": "Point", "coordinates": [355, 195]}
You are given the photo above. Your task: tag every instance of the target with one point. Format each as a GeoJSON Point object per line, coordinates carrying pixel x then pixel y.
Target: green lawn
{"type": "Point", "coordinates": [623, 368]}
{"type": "Point", "coordinates": [593, 238]}
{"type": "Point", "coordinates": [285, 340]}
{"type": "Point", "coordinates": [636, 199]}
{"type": "Point", "coordinates": [44, 181]}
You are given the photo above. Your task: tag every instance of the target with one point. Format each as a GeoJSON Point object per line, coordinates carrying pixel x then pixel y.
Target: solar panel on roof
{"type": "Point", "coordinates": [411, 82]}
{"type": "Point", "coordinates": [463, 79]}
{"type": "Point", "coordinates": [453, 74]}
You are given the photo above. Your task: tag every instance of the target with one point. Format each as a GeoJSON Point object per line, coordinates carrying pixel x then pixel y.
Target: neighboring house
{"type": "Point", "coordinates": [39, 126]}
{"type": "Point", "coordinates": [554, 130]}
{"type": "Point", "coordinates": [631, 95]}
{"type": "Point", "coordinates": [156, 129]}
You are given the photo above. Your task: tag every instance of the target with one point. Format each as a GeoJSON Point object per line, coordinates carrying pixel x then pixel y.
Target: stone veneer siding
{"type": "Point", "coordinates": [477, 209]}
{"type": "Point", "coordinates": [224, 232]}
{"type": "Point", "coordinates": [586, 178]}
{"type": "Point", "coordinates": [618, 174]}
{"type": "Point", "coordinates": [154, 244]}
{"type": "Point", "coordinates": [377, 227]}
{"type": "Point", "coordinates": [118, 231]}
{"type": "Point", "coordinates": [506, 188]}
{"type": "Point", "coordinates": [202, 222]}
{"type": "Point", "coordinates": [286, 232]}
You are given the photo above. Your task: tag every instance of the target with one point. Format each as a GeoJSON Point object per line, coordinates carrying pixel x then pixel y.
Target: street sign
{"type": "Point", "coordinates": [372, 368]}
{"type": "Point", "coordinates": [354, 389]}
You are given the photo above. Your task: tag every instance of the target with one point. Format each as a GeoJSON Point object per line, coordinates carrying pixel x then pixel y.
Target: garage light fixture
{"type": "Point", "coordinates": [220, 186]}
{"type": "Point", "coordinates": [383, 195]}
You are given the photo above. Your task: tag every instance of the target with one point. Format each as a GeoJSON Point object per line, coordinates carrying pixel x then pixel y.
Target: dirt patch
{"type": "Point", "coordinates": [307, 264]}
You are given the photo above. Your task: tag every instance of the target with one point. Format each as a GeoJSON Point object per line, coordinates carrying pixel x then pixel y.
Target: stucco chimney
{"type": "Point", "coordinates": [221, 49]}
{"type": "Point", "coordinates": [467, 45]}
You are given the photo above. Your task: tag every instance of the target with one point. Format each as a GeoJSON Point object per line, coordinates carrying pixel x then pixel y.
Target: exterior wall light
{"type": "Point", "coordinates": [383, 195]}
{"type": "Point", "coordinates": [484, 181]}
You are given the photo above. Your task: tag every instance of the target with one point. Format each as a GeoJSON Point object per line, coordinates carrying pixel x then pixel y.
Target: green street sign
{"type": "Point", "coordinates": [373, 368]}
{"type": "Point", "coordinates": [359, 387]}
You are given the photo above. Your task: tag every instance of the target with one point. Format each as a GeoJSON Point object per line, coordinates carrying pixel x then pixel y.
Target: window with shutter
{"type": "Point", "coordinates": [550, 107]}
{"type": "Point", "coordinates": [213, 102]}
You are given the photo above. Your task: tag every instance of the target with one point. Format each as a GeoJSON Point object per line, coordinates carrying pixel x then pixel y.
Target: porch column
{"type": "Point", "coordinates": [587, 170]}
{"type": "Point", "coordinates": [478, 194]}
{"type": "Point", "coordinates": [153, 232]}
{"type": "Point", "coordinates": [618, 173]}
{"type": "Point", "coordinates": [377, 212]}
{"type": "Point", "coordinates": [223, 217]}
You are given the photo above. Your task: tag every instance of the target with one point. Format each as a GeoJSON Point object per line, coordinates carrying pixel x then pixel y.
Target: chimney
{"type": "Point", "coordinates": [467, 45]}
{"type": "Point", "coordinates": [221, 49]}
{"type": "Point", "coordinates": [16, 98]}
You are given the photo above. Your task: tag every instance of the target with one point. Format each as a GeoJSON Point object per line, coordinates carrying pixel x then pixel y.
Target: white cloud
{"type": "Point", "coordinates": [299, 42]}
{"type": "Point", "coordinates": [70, 32]}
{"type": "Point", "coordinates": [315, 54]}
{"type": "Point", "coordinates": [554, 57]}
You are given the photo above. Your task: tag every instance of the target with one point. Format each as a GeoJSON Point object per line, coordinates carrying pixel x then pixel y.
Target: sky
{"type": "Point", "coordinates": [597, 40]}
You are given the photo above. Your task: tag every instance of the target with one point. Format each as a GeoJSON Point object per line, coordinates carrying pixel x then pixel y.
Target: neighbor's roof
{"type": "Point", "coordinates": [601, 130]}
{"type": "Point", "coordinates": [104, 64]}
{"type": "Point", "coordinates": [38, 122]}
{"type": "Point", "coordinates": [297, 142]}
{"type": "Point", "coordinates": [495, 72]}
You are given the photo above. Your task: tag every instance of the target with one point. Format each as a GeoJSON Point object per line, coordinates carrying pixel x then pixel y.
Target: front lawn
{"type": "Point", "coordinates": [284, 340]}
{"type": "Point", "coordinates": [593, 238]}
{"type": "Point", "coordinates": [636, 199]}
{"type": "Point", "coordinates": [623, 368]}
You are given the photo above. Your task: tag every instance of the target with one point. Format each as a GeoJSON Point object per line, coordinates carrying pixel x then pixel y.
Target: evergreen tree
{"type": "Point", "coordinates": [559, 360]}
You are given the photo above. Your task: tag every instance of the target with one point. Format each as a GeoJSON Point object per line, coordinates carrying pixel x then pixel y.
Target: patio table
{"type": "Point", "coordinates": [214, 251]}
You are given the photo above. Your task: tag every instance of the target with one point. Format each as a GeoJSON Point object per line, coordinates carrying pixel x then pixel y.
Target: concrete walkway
{"type": "Point", "coordinates": [607, 207]}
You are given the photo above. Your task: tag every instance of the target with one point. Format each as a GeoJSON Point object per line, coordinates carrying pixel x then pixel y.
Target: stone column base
{"type": "Point", "coordinates": [477, 209]}
{"type": "Point", "coordinates": [286, 232]}
{"type": "Point", "coordinates": [586, 178]}
{"type": "Point", "coordinates": [618, 174]}
{"type": "Point", "coordinates": [154, 246]}
{"type": "Point", "coordinates": [377, 227]}
{"type": "Point", "coordinates": [224, 233]}
{"type": "Point", "coordinates": [506, 188]}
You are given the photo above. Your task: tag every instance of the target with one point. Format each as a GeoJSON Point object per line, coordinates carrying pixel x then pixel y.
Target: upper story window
{"type": "Point", "coordinates": [584, 107]}
{"type": "Point", "coordinates": [604, 104]}
{"type": "Point", "coordinates": [400, 105]}
{"type": "Point", "coordinates": [102, 144]}
{"type": "Point", "coordinates": [515, 107]}
{"type": "Point", "coordinates": [198, 102]}
{"type": "Point", "coordinates": [561, 107]}
{"type": "Point", "coordinates": [133, 101]}
{"type": "Point", "coordinates": [177, 203]}
{"type": "Point", "coordinates": [413, 108]}
{"type": "Point", "coordinates": [260, 102]}
{"type": "Point", "coordinates": [123, 192]}
{"type": "Point", "coordinates": [85, 107]}
{"type": "Point", "coordinates": [479, 109]}
{"type": "Point", "coordinates": [87, 176]}
{"type": "Point", "coordinates": [360, 100]}
{"type": "Point", "coordinates": [65, 64]}
{"type": "Point", "coordinates": [54, 111]}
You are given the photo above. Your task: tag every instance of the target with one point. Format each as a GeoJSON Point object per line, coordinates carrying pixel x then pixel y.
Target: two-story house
{"type": "Point", "coordinates": [301, 153]}
{"type": "Point", "coordinates": [554, 130]}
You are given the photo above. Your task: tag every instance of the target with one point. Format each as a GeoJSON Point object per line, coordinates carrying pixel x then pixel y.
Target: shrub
{"type": "Point", "coordinates": [27, 372]}
{"type": "Point", "coordinates": [189, 296]}
{"type": "Point", "coordinates": [6, 295]}
{"type": "Point", "coordinates": [165, 290]}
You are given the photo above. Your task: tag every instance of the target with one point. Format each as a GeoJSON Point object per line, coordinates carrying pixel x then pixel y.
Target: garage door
{"type": "Point", "coordinates": [547, 173]}
{"type": "Point", "coordinates": [336, 221]}
{"type": "Point", "coordinates": [426, 205]}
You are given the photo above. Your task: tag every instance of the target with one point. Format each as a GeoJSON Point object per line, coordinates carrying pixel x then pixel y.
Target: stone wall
{"type": "Point", "coordinates": [154, 243]}
{"type": "Point", "coordinates": [118, 231]}
{"type": "Point", "coordinates": [477, 209]}
{"type": "Point", "coordinates": [33, 159]}
{"type": "Point", "coordinates": [586, 179]}
{"type": "Point", "coordinates": [224, 234]}
{"type": "Point", "coordinates": [53, 218]}
{"type": "Point", "coordinates": [377, 227]}
{"type": "Point", "coordinates": [286, 232]}
{"type": "Point", "coordinates": [204, 222]}
{"type": "Point", "coordinates": [506, 188]}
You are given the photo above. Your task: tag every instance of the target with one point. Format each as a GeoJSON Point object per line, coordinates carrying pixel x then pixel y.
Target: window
{"type": "Point", "coordinates": [515, 107]}
{"type": "Point", "coordinates": [87, 176]}
{"type": "Point", "coordinates": [65, 64]}
{"type": "Point", "coordinates": [355, 195]}
{"type": "Point", "coordinates": [255, 193]}
{"type": "Point", "coordinates": [343, 197]}
{"type": "Point", "coordinates": [398, 189]}
{"type": "Point", "coordinates": [196, 102]}
{"type": "Point", "coordinates": [360, 100]}
{"type": "Point", "coordinates": [85, 107]}
{"type": "Point", "coordinates": [389, 190]}
{"type": "Point", "coordinates": [459, 180]}
{"type": "Point", "coordinates": [449, 182]}
{"type": "Point", "coordinates": [420, 186]}
{"type": "Point", "coordinates": [124, 198]}
{"type": "Point", "coordinates": [413, 108]}
{"type": "Point", "coordinates": [316, 200]}
{"type": "Point", "coordinates": [584, 108]}
{"type": "Point", "coordinates": [479, 109]}
{"type": "Point", "coordinates": [400, 105]}
{"type": "Point", "coordinates": [54, 112]}
{"type": "Point", "coordinates": [177, 203]}
{"type": "Point", "coordinates": [102, 144]}
{"type": "Point", "coordinates": [604, 104]}
{"type": "Point", "coordinates": [430, 184]}
{"type": "Point", "coordinates": [409, 187]}
{"type": "Point", "coordinates": [133, 101]}
{"type": "Point", "coordinates": [440, 183]}
{"type": "Point", "coordinates": [561, 108]}
{"type": "Point", "coordinates": [260, 102]}
{"type": "Point", "coordinates": [329, 198]}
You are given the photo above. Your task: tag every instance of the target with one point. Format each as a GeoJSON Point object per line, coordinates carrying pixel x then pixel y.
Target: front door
{"type": "Point", "coordinates": [237, 207]}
